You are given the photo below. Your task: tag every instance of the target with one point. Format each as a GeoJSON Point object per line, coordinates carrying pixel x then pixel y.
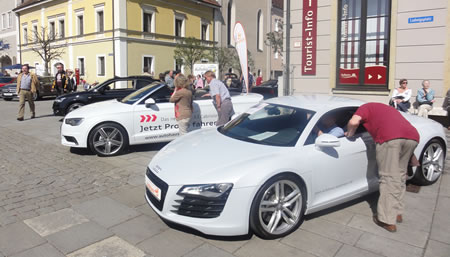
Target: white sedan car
{"type": "Point", "coordinates": [145, 116]}
{"type": "Point", "coordinates": [266, 169]}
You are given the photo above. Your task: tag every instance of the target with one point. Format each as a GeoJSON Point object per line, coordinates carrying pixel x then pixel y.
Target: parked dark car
{"type": "Point", "coordinates": [6, 81]}
{"type": "Point", "coordinates": [233, 82]}
{"type": "Point", "coordinates": [115, 88]}
{"type": "Point", "coordinates": [44, 89]}
{"type": "Point", "coordinates": [268, 89]}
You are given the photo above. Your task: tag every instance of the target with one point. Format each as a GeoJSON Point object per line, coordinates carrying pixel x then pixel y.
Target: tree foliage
{"type": "Point", "coordinates": [227, 57]}
{"type": "Point", "coordinates": [190, 51]}
{"type": "Point", "coordinates": [44, 45]}
{"type": "Point", "coordinates": [274, 39]}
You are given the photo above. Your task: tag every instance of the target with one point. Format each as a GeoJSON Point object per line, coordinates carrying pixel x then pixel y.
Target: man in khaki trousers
{"type": "Point", "coordinates": [395, 140]}
{"type": "Point", "coordinates": [27, 83]}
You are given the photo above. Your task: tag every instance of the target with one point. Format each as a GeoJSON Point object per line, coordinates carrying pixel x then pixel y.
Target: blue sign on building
{"type": "Point", "coordinates": [421, 19]}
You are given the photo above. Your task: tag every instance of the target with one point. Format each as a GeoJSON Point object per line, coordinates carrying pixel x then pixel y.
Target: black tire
{"type": "Point", "coordinates": [259, 217]}
{"type": "Point", "coordinates": [430, 171]}
{"type": "Point", "coordinates": [7, 99]}
{"type": "Point", "coordinates": [108, 139]}
{"type": "Point", "coordinates": [74, 106]}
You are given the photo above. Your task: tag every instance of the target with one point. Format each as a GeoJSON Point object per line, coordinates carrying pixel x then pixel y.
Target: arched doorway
{"type": "Point", "coordinates": [5, 61]}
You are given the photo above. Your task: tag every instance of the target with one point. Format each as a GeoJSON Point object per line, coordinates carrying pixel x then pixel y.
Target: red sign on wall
{"type": "Point", "coordinates": [375, 75]}
{"type": "Point", "coordinates": [309, 37]}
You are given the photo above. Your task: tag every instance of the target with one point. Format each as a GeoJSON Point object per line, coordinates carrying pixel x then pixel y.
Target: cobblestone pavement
{"type": "Point", "coordinates": [54, 202]}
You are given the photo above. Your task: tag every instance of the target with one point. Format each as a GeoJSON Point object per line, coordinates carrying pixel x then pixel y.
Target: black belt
{"type": "Point", "coordinates": [25, 89]}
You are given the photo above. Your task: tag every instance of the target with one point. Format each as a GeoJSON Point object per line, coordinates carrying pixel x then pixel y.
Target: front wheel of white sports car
{"type": "Point", "coordinates": [278, 207]}
{"type": "Point", "coordinates": [108, 139]}
{"type": "Point", "coordinates": [431, 164]}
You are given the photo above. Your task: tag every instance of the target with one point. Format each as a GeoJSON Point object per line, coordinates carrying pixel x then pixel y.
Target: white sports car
{"type": "Point", "coordinates": [266, 169]}
{"type": "Point", "coordinates": [145, 116]}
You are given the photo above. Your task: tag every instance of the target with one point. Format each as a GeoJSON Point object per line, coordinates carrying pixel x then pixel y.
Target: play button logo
{"type": "Point", "coordinates": [376, 75]}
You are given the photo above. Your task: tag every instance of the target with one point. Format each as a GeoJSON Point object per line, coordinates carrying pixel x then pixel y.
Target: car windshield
{"type": "Point", "coordinates": [136, 95]}
{"type": "Point", "coordinates": [269, 124]}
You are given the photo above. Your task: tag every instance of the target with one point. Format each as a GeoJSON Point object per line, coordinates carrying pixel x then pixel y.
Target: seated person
{"type": "Point", "coordinates": [425, 97]}
{"type": "Point", "coordinates": [400, 96]}
{"type": "Point", "coordinates": [327, 124]}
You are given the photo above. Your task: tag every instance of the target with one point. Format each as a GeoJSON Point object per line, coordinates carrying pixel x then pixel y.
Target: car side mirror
{"type": "Point", "coordinates": [149, 102]}
{"type": "Point", "coordinates": [327, 140]}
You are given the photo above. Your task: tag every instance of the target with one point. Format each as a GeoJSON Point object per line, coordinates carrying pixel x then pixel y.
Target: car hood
{"type": "Point", "coordinates": [100, 109]}
{"type": "Point", "coordinates": [207, 156]}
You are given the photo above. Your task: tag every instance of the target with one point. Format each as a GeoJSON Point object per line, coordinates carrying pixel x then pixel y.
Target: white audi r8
{"type": "Point", "coordinates": [145, 116]}
{"type": "Point", "coordinates": [266, 169]}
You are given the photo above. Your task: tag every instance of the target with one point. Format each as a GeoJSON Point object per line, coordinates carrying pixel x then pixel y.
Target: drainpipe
{"type": "Point", "coordinates": [113, 41]}
{"type": "Point", "coordinates": [288, 49]}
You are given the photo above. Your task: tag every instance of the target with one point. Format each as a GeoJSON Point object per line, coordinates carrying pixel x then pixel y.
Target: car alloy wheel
{"type": "Point", "coordinates": [431, 163]}
{"type": "Point", "coordinates": [278, 207]}
{"type": "Point", "coordinates": [73, 107]}
{"type": "Point", "coordinates": [108, 139]}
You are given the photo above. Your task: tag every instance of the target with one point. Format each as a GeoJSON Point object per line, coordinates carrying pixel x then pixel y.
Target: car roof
{"type": "Point", "coordinates": [316, 102]}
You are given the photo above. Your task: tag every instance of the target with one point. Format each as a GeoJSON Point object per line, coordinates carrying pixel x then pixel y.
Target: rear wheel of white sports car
{"type": "Point", "coordinates": [431, 163]}
{"type": "Point", "coordinates": [108, 139]}
{"type": "Point", "coordinates": [278, 207]}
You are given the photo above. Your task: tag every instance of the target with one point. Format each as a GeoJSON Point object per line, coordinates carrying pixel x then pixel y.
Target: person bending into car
{"type": "Point", "coordinates": [27, 83]}
{"type": "Point", "coordinates": [395, 140]}
{"type": "Point", "coordinates": [182, 97]}
{"type": "Point", "coordinates": [221, 98]}
{"type": "Point", "coordinates": [327, 125]}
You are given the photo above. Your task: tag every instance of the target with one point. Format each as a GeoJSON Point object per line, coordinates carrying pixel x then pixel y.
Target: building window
{"type": "Point", "coordinates": [10, 19]}
{"type": "Point", "coordinates": [35, 33]}
{"type": "Point", "coordinates": [4, 25]}
{"type": "Point", "coordinates": [81, 65]}
{"type": "Point", "coordinates": [231, 20]}
{"type": "Point", "coordinates": [178, 65]}
{"type": "Point", "coordinates": [260, 31]}
{"type": "Point", "coordinates": [363, 44]}
{"type": "Point", "coordinates": [80, 25]}
{"type": "Point", "coordinates": [148, 62]}
{"type": "Point", "coordinates": [100, 65]}
{"type": "Point", "coordinates": [100, 21]}
{"type": "Point", "coordinates": [179, 27]}
{"type": "Point", "coordinates": [148, 22]}
{"type": "Point", "coordinates": [205, 31]}
{"type": "Point", "coordinates": [51, 30]}
{"type": "Point", "coordinates": [25, 35]}
{"type": "Point", "coordinates": [62, 31]}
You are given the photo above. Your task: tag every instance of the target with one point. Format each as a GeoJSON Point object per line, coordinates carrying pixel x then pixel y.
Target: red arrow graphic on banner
{"type": "Point", "coordinates": [148, 118]}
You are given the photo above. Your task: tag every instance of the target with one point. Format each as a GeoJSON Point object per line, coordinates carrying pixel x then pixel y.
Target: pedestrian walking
{"type": "Point", "coordinates": [221, 98]}
{"type": "Point", "coordinates": [71, 82]}
{"type": "Point", "coordinates": [27, 83]}
{"type": "Point", "coordinates": [425, 98]}
{"type": "Point", "coordinates": [395, 140]}
{"type": "Point", "coordinates": [182, 97]}
{"type": "Point", "coordinates": [60, 82]}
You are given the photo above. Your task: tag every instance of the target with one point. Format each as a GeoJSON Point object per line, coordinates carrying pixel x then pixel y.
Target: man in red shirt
{"type": "Point", "coordinates": [395, 140]}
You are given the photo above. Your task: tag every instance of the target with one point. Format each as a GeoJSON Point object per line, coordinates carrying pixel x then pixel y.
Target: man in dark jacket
{"type": "Point", "coordinates": [60, 82]}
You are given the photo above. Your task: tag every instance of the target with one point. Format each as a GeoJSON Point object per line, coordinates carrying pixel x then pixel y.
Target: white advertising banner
{"type": "Point", "coordinates": [201, 68]}
{"type": "Point", "coordinates": [241, 48]}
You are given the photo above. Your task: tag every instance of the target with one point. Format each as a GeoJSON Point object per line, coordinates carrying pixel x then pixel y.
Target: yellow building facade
{"type": "Point", "coordinates": [106, 38]}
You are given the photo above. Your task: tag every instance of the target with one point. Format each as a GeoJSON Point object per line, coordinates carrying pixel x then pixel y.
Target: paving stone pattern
{"type": "Point", "coordinates": [58, 202]}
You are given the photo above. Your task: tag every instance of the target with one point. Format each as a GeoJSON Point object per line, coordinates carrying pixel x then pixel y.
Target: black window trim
{"type": "Point", "coordinates": [362, 53]}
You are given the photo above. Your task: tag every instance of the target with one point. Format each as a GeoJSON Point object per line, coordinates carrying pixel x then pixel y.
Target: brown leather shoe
{"type": "Point", "coordinates": [20, 119]}
{"type": "Point", "coordinates": [390, 228]}
{"type": "Point", "coordinates": [399, 218]}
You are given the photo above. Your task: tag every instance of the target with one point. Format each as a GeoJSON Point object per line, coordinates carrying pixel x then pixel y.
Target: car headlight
{"type": "Point", "coordinates": [74, 121]}
{"type": "Point", "coordinates": [58, 100]}
{"type": "Point", "coordinates": [207, 190]}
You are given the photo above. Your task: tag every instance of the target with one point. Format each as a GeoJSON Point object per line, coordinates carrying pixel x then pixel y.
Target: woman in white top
{"type": "Point", "coordinates": [401, 96]}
